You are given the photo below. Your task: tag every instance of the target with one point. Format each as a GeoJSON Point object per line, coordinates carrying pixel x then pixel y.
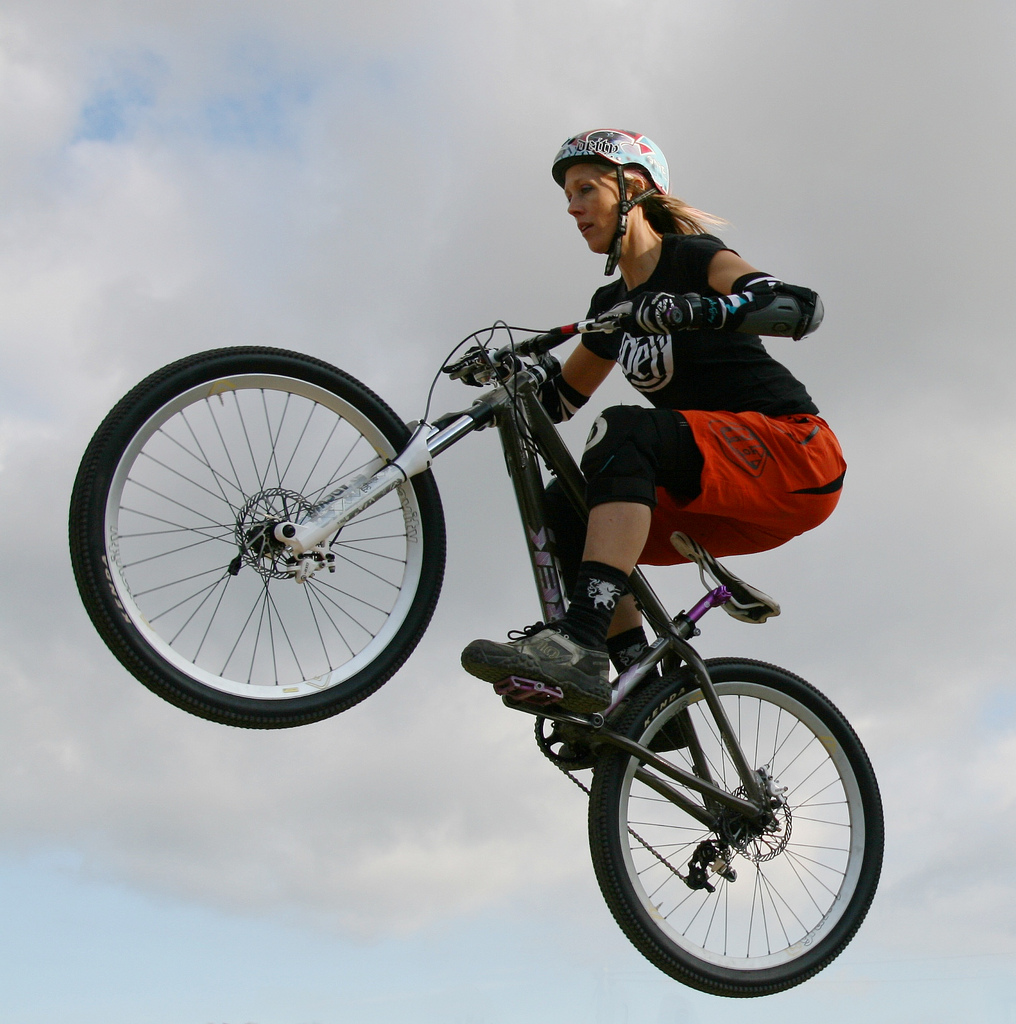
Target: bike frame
{"type": "Point", "coordinates": [526, 431]}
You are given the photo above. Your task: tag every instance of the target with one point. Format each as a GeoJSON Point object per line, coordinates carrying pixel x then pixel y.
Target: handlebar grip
{"type": "Point", "coordinates": [541, 343]}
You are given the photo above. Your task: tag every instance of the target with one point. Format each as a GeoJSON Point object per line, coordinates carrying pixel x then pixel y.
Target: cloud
{"type": "Point", "coordinates": [369, 184]}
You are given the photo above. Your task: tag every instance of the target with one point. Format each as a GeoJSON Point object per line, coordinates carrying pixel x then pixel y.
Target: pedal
{"type": "Point", "coordinates": [528, 691]}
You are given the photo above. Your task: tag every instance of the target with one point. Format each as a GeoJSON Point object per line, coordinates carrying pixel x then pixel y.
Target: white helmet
{"type": "Point", "coordinates": [611, 146]}
{"type": "Point", "coordinates": [617, 149]}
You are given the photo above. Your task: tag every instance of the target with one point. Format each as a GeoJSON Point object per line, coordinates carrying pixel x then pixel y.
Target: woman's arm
{"type": "Point", "coordinates": [725, 268]}
{"type": "Point", "coordinates": [749, 301]}
{"type": "Point", "coordinates": [585, 371]}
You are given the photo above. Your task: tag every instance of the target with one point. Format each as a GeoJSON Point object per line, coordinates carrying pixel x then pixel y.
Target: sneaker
{"type": "Point", "coordinates": [747, 603]}
{"type": "Point", "coordinates": [546, 656]}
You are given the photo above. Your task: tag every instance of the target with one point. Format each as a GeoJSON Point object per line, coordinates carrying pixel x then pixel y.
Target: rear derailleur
{"type": "Point", "coordinates": [709, 856]}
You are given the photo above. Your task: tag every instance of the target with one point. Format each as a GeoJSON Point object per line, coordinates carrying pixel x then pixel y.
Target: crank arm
{"type": "Point", "coordinates": [591, 722]}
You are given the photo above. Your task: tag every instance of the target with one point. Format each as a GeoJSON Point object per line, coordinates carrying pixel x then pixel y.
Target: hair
{"type": "Point", "coordinates": [667, 214]}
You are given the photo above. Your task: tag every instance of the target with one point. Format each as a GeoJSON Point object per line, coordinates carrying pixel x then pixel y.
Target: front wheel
{"type": "Point", "coordinates": [171, 539]}
{"type": "Point", "coordinates": [769, 907]}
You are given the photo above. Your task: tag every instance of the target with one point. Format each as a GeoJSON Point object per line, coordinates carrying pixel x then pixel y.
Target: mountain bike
{"type": "Point", "coordinates": [259, 539]}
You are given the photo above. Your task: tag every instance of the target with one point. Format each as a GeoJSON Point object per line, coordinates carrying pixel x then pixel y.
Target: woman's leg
{"type": "Point", "coordinates": [630, 450]}
{"type": "Point", "coordinates": [616, 534]}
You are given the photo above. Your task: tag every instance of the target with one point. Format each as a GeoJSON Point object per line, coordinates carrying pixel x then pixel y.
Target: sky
{"type": "Point", "coordinates": [368, 184]}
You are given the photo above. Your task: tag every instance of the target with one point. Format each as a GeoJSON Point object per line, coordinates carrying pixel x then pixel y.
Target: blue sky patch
{"type": "Point", "coordinates": [111, 113]}
{"type": "Point", "coordinates": [251, 103]}
{"type": "Point", "coordinates": [256, 117]}
{"type": "Point", "coordinates": [998, 712]}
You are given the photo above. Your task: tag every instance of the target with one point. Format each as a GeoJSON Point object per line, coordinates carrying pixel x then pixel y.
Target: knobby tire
{"type": "Point", "coordinates": [170, 509]}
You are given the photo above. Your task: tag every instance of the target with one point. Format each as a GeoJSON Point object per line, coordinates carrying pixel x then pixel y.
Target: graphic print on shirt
{"type": "Point", "coordinates": [647, 360]}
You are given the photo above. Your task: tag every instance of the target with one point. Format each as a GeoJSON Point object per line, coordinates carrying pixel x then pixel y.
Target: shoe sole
{"type": "Point", "coordinates": [574, 699]}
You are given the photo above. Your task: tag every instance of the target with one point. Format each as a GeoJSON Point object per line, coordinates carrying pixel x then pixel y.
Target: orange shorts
{"type": "Point", "coordinates": [765, 480]}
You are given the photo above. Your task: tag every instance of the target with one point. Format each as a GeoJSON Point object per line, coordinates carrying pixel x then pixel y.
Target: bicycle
{"type": "Point", "coordinates": [259, 540]}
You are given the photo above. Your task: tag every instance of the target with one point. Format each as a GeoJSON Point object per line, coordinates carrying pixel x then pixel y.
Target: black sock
{"type": "Point", "coordinates": [626, 648]}
{"type": "Point", "coordinates": [597, 590]}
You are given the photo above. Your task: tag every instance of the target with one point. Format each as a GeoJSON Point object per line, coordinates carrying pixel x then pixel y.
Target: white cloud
{"type": "Point", "coordinates": [397, 196]}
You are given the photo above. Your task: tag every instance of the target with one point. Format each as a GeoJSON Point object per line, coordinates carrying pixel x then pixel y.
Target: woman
{"type": "Point", "coordinates": [732, 458]}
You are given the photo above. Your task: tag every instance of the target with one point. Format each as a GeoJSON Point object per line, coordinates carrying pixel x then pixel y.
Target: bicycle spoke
{"type": "Point", "coordinates": [172, 551]}
{"type": "Point", "coordinates": [226, 447]}
{"type": "Point", "coordinates": [323, 597]}
{"type": "Point", "coordinates": [190, 618]}
{"type": "Point", "coordinates": [175, 583]}
{"type": "Point", "coordinates": [186, 600]}
{"type": "Point", "coordinates": [172, 501]}
{"type": "Point", "coordinates": [275, 438]}
{"type": "Point", "coordinates": [363, 568]}
{"type": "Point", "coordinates": [321, 605]}
{"type": "Point", "coordinates": [205, 460]}
{"type": "Point", "coordinates": [335, 426]}
{"type": "Point", "coordinates": [191, 546]}
{"type": "Point", "coordinates": [299, 441]}
{"type": "Point", "coordinates": [221, 496]}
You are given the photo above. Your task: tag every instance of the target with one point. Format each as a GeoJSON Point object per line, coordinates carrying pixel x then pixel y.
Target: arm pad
{"type": "Point", "coordinates": [773, 308]}
{"type": "Point", "coordinates": [760, 305]}
{"type": "Point", "coordinates": [557, 396]}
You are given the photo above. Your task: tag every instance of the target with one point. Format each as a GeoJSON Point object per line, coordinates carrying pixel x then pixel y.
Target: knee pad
{"type": "Point", "coordinates": [622, 456]}
{"type": "Point", "coordinates": [633, 450]}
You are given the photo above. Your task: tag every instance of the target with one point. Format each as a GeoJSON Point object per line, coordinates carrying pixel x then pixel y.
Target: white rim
{"type": "Point", "coordinates": [297, 681]}
{"type": "Point", "coordinates": [775, 911]}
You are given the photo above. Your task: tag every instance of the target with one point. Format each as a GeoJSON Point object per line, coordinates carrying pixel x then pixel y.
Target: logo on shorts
{"type": "Point", "coordinates": [742, 446]}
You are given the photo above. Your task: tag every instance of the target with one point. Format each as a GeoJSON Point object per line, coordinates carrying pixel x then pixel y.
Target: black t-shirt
{"type": "Point", "coordinates": [695, 369]}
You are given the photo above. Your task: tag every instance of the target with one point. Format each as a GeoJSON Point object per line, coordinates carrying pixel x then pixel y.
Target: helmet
{"type": "Point", "coordinates": [616, 148]}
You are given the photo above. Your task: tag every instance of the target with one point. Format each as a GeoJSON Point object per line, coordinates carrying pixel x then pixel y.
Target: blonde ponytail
{"type": "Point", "coordinates": [669, 215]}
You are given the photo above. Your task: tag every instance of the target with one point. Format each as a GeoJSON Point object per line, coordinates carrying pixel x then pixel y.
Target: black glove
{"type": "Point", "coordinates": [557, 396]}
{"type": "Point", "coordinates": [661, 312]}
{"type": "Point", "coordinates": [616, 318]}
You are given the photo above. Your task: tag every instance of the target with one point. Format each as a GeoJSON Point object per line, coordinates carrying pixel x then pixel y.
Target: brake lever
{"type": "Point", "coordinates": [474, 362]}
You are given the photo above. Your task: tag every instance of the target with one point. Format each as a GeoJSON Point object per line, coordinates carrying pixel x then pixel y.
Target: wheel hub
{"type": "Point", "coordinates": [255, 532]}
{"type": "Point", "coordinates": [760, 839]}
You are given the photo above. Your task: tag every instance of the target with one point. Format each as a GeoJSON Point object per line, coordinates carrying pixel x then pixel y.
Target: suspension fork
{"type": "Point", "coordinates": [380, 477]}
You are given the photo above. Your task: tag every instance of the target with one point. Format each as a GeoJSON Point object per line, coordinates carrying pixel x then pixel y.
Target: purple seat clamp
{"type": "Point", "coordinates": [712, 600]}
{"type": "Point", "coordinates": [528, 690]}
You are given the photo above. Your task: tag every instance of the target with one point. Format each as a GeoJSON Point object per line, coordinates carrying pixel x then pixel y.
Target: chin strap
{"type": "Point", "coordinates": [624, 207]}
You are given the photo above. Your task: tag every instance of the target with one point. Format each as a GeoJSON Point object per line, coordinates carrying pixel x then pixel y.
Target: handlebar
{"type": "Point", "coordinates": [481, 366]}
{"type": "Point", "coordinates": [540, 343]}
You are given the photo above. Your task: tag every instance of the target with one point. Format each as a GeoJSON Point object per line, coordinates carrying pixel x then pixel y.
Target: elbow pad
{"type": "Point", "coordinates": [766, 306]}
{"type": "Point", "coordinates": [760, 305]}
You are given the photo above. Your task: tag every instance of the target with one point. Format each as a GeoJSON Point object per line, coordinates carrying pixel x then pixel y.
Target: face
{"type": "Point", "coordinates": [591, 191]}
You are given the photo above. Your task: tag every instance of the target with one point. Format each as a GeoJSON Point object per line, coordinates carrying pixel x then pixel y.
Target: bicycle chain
{"type": "Point", "coordinates": [585, 789]}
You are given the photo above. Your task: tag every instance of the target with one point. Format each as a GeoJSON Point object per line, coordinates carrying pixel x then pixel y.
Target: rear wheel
{"type": "Point", "coordinates": [170, 532]}
{"type": "Point", "coordinates": [770, 907]}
